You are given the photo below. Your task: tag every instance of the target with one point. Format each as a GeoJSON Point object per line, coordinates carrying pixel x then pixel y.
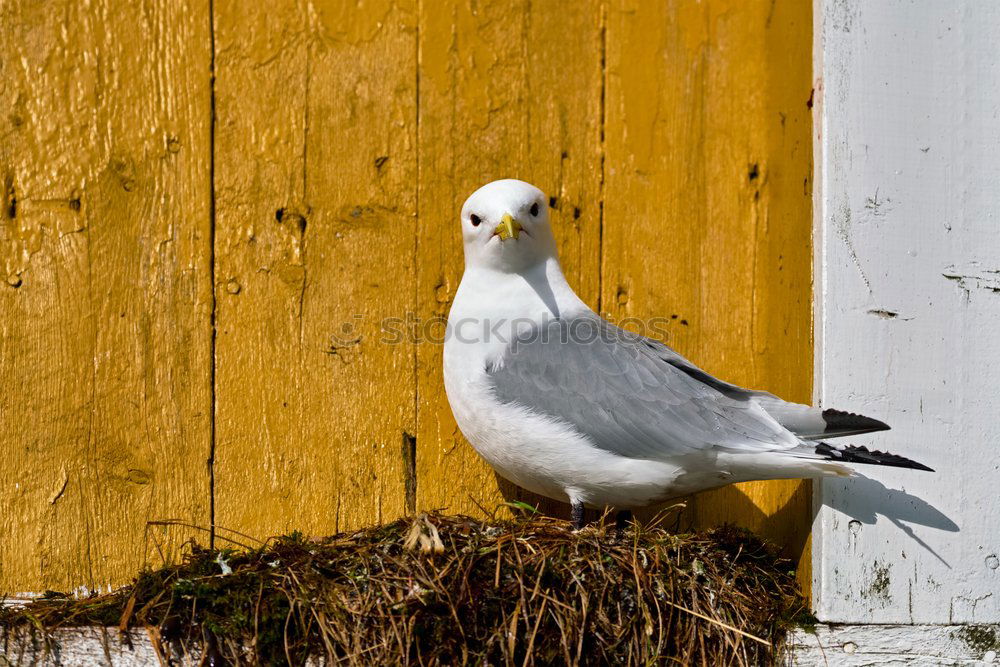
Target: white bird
{"type": "Point", "coordinates": [565, 404]}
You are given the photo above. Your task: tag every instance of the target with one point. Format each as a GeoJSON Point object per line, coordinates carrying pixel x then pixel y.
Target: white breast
{"type": "Point", "coordinates": [537, 452]}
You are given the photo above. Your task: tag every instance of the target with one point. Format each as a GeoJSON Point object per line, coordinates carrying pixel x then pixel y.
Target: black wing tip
{"type": "Point", "coordinates": [852, 454]}
{"type": "Point", "coordinates": [838, 420]}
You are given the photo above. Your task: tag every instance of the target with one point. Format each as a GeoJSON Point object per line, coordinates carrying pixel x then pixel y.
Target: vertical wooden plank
{"type": "Point", "coordinates": [316, 222]}
{"type": "Point", "coordinates": [908, 312]}
{"type": "Point", "coordinates": [507, 90]}
{"type": "Point", "coordinates": [707, 206]}
{"type": "Point", "coordinates": [105, 306]}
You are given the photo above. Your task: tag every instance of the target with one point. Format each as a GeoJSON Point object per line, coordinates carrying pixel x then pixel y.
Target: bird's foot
{"type": "Point", "coordinates": [621, 522]}
{"type": "Point", "coordinates": [576, 516]}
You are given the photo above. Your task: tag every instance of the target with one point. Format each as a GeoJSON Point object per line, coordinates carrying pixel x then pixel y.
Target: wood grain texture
{"type": "Point", "coordinates": [893, 645]}
{"type": "Point", "coordinates": [707, 207]}
{"type": "Point", "coordinates": [316, 187]}
{"type": "Point", "coordinates": [105, 305]}
{"type": "Point", "coordinates": [503, 94]}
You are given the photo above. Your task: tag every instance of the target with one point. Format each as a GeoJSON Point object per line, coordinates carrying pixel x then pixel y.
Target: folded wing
{"type": "Point", "coordinates": [629, 394]}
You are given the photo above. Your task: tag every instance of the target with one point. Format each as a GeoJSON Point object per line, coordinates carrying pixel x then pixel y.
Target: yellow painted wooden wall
{"type": "Point", "coordinates": [210, 209]}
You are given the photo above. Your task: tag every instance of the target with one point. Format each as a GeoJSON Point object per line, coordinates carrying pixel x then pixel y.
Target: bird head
{"type": "Point", "coordinates": [505, 227]}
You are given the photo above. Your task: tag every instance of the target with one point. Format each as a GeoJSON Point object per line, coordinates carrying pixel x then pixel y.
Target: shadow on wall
{"type": "Point", "coordinates": [870, 499]}
{"type": "Point", "coordinates": [897, 506]}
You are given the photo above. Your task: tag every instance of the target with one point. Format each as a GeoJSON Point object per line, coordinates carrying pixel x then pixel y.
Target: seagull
{"type": "Point", "coordinates": [565, 404]}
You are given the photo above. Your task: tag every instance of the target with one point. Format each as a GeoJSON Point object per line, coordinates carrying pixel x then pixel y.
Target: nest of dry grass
{"type": "Point", "coordinates": [440, 589]}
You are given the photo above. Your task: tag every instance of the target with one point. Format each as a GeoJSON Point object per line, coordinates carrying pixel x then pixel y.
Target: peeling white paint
{"type": "Point", "coordinates": [888, 645]}
{"type": "Point", "coordinates": [908, 306]}
{"type": "Point", "coordinates": [85, 647]}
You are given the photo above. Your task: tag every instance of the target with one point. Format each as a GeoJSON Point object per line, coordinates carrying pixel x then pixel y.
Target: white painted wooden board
{"type": "Point", "coordinates": [893, 645]}
{"type": "Point", "coordinates": [908, 306]}
{"type": "Point", "coordinates": [827, 646]}
{"type": "Point", "coordinates": [101, 647]}
{"type": "Point", "coordinates": [86, 647]}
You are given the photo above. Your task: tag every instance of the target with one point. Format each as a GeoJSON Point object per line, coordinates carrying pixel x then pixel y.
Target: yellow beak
{"type": "Point", "coordinates": [508, 227]}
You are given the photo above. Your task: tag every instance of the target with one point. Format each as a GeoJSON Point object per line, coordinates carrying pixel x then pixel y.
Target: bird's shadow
{"type": "Point", "coordinates": [789, 526]}
{"type": "Point", "coordinates": [865, 499]}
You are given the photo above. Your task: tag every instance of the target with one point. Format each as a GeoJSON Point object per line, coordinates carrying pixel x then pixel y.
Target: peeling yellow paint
{"type": "Point", "coordinates": [311, 407]}
{"type": "Point", "coordinates": [60, 486]}
{"type": "Point", "coordinates": [708, 212]}
{"type": "Point", "coordinates": [105, 331]}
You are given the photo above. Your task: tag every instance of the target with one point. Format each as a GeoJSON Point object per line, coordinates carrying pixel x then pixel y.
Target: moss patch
{"type": "Point", "coordinates": [979, 638]}
{"type": "Point", "coordinates": [448, 590]}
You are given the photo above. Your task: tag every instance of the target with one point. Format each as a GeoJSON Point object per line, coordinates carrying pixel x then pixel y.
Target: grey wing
{"type": "Point", "coordinates": [805, 421]}
{"type": "Point", "coordinates": [630, 395]}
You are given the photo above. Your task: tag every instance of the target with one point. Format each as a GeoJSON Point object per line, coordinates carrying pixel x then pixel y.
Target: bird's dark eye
{"type": "Point", "coordinates": [534, 209]}
{"type": "Point", "coordinates": [475, 220]}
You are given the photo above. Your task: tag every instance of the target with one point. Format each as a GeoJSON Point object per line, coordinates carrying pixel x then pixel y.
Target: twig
{"type": "Point", "coordinates": [720, 623]}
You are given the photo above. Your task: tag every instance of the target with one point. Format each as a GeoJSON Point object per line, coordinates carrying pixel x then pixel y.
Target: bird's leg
{"type": "Point", "coordinates": [576, 512]}
{"type": "Point", "coordinates": [621, 521]}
